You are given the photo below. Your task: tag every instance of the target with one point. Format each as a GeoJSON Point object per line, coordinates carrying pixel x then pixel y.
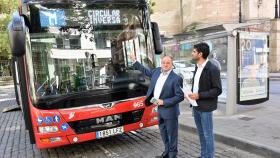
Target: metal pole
{"type": "Point", "coordinates": [279, 10]}
{"type": "Point", "coordinates": [276, 10]}
{"type": "Point", "coordinates": [240, 14]}
{"type": "Point", "coordinates": [182, 16]}
{"type": "Point", "coordinates": [231, 106]}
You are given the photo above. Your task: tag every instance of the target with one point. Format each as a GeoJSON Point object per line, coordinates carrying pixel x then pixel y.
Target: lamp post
{"type": "Point", "coordinates": [279, 9]}
{"type": "Point", "coordinates": [276, 9]}
{"type": "Point", "coordinates": [240, 13]}
{"type": "Point", "coordinates": [182, 12]}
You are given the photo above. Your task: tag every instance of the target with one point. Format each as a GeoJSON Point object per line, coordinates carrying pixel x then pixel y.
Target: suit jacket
{"type": "Point", "coordinates": [171, 93]}
{"type": "Point", "coordinates": [209, 88]}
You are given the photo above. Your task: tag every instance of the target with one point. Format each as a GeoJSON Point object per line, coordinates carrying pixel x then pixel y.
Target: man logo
{"type": "Point", "coordinates": [106, 119]}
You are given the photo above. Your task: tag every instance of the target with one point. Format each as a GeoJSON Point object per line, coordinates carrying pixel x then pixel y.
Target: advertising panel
{"type": "Point", "coordinates": [253, 66]}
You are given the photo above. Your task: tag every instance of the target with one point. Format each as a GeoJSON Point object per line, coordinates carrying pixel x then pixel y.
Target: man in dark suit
{"type": "Point", "coordinates": [165, 89]}
{"type": "Point", "coordinates": [206, 88]}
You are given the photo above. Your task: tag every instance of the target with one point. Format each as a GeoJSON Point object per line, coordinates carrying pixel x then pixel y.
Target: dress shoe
{"type": "Point", "coordinates": [162, 156]}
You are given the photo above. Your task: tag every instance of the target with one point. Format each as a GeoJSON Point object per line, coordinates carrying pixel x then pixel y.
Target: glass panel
{"type": "Point", "coordinates": [218, 55]}
{"type": "Point", "coordinates": [86, 50]}
{"type": "Point", "coordinates": [253, 74]}
{"type": "Point", "coordinates": [184, 66]}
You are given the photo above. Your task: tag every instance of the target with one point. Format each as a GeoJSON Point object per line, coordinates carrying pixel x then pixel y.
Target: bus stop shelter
{"type": "Point", "coordinates": [242, 52]}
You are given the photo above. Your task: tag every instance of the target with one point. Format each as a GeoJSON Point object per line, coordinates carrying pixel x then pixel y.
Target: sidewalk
{"type": "Point", "coordinates": [5, 83]}
{"type": "Point", "coordinates": [255, 128]}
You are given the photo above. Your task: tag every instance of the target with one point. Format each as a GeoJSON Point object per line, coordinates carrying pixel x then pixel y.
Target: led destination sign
{"type": "Point", "coordinates": [104, 17]}
{"type": "Point", "coordinates": [52, 18]}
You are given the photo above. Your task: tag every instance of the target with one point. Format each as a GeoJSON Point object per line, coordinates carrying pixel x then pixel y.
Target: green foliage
{"type": "Point", "coordinates": [151, 4]}
{"type": "Point", "coordinates": [5, 51]}
{"type": "Point", "coordinates": [192, 27]}
{"type": "Point", "coordinates": [7, 7]}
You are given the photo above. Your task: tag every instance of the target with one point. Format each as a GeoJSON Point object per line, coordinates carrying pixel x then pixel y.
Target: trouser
{"type": "Point", "coordinates": [169, 134]}
{"type": "Point", "coordinates": [204, 124]}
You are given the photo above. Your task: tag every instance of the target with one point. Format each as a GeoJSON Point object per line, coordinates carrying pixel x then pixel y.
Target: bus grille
{"type": "Point", "coordinates": [106, 122]}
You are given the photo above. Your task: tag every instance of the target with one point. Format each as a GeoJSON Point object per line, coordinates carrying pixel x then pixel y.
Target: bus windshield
{"type": "Point", "coordinates": [81, 53]}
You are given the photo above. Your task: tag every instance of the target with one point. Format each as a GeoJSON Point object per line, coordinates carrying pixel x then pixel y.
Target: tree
{"type": "Point", "coordinates": [151, 4]}
{"type": "Point", "coordinates": [7, 7]}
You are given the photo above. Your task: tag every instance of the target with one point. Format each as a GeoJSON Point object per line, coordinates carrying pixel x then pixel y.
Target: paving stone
{"type": "Point", "coordinates": [145, 143]}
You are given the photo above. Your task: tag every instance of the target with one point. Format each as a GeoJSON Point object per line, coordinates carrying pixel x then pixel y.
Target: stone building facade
{"type": "Point", "coordinates": [180, 16]}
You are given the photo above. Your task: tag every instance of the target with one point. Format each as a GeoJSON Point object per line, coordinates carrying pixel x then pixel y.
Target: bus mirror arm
{"type": "Point", "coordinates": [94, 60]}
{"type": "Point", "coordinates": [156, 38]}
{"type": "Point", "coordinates": [17, 31]}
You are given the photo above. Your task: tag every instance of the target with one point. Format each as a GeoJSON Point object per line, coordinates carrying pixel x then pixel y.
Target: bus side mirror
{"type": "Point", "coordinates": [94, 60]}
{"type": "Point", "coordinates": [17, 31]}
{"type": "Point", "coordinates": [157, 39]}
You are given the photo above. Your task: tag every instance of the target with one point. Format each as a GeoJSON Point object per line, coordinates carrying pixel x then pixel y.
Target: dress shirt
{"type": "Point", "coordinates": [197, 76]}
{"type": "Point", "coordinates": [160, 82]}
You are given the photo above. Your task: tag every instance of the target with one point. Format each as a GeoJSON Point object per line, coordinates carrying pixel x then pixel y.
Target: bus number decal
{"type": "Point", "coordinates": [138, 104]}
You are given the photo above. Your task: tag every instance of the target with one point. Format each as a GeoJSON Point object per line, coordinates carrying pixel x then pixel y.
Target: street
{"type": "Point", "coordinates": [274, 87]}
{"type": "Point", "coordinates": [145, 143]}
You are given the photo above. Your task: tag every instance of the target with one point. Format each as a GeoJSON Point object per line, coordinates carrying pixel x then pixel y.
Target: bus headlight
{"type": "Point", "coordinates": [154, 119]}
{"type": "Point", "coordinates": [48, 129]}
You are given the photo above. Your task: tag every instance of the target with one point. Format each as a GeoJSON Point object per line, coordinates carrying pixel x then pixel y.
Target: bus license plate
{"type": "Point", "coordinates": [109, 132]}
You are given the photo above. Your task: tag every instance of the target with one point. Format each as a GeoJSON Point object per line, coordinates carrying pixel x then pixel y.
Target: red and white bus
{"type": "Point", "coordinates": [74, 79]}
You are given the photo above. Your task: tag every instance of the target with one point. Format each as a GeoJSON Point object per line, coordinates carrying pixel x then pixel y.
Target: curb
{"type": "Point", "coordinates": [3, 85]}
{"type": "Point", "coordinates": [6, 83]}
{"type": "Point", "coordinates": [274, 78]}
{"type": "Point", "coordinates": [242, 144]}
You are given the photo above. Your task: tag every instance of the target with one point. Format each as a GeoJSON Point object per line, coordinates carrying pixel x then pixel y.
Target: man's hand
{"type": "Point", "coordinates": [132, 57]}
{"type": "Point", "coordinates": [186, 97]}
{"type": "Point", "coordinates": [194, 96]}
{"type": "Point", "coordinates": [159, 102]}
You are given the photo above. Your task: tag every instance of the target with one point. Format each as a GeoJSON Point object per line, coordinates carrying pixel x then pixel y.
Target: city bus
{"type": "Point", "coordinates": [74, 79]}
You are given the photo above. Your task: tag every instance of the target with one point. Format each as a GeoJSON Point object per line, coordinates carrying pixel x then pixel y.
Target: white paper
{"type": "Point", "coordinates": [186, 93]}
